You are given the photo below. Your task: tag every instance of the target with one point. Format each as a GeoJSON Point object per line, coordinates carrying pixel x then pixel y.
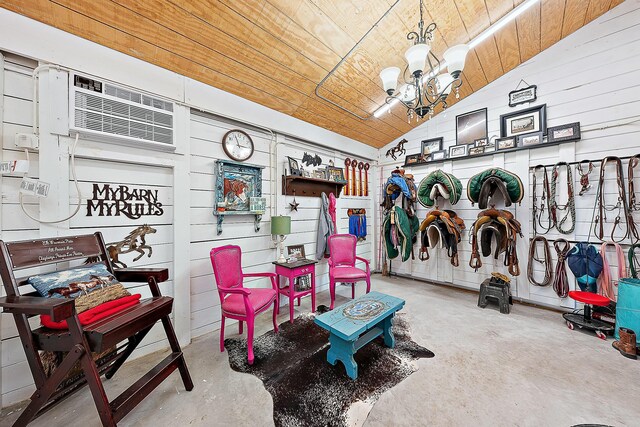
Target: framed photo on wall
{"type": "Point", "coordinates": [294, 168]}
{"type": "Point", "coordinates": [506, 143]}
{"type": "Point", "coordinates": [474, 151]}
{"type": "Point", "coordinates": [530, 139]}
{"type": "Point", "coordinates": [335, 174]}
{"type": "Point", "coordinates": [412, 159]}
{"type": "Point", "coordinates": [457, 151]}
{"type": "Point", "coordinates": [520, 122]}
{"type": "Point", "coordinates": [431, 145]}
{"type": "Point", "coordinates": [438, 155]}
{"type": "Point", "coordinates": [471, 126]}
{"type": "Point", "coordinates": [568, 132]}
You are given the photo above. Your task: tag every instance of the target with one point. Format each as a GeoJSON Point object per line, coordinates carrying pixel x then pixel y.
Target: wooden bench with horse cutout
{"type": "Point", "coordinates": [123, 330]}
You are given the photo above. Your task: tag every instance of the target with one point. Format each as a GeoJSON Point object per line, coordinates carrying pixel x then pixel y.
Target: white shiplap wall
{"type": "Point", "coordinates": [258, 250]}
{"type": "Point", "coordinates": [592, 77]}
{"type": "Point", "coordinates": [100, 169]}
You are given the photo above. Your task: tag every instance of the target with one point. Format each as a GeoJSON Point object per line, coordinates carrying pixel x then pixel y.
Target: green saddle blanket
{"type": "Point", "coordinates": [510, 183]}
{"type": "Point", "coordinates": [438, 179]}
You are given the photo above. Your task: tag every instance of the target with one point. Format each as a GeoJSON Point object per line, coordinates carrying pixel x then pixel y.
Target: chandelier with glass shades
{"type": "Point", "coordinates": [423, 88]}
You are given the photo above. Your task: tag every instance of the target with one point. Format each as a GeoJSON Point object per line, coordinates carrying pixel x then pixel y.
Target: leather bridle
{"type": "Point", "coordinates": [560, 280]}
{"type": "Point", "coordinates": [546, 261]}
{"type": "Point", "coordinates": [569, 207]}
{"type": "Point", "coordinates": [544, 204]}
{"type": "Point", "coordinates": [633, 204]}
{"type": "Point", "coordinates": [623, 212]}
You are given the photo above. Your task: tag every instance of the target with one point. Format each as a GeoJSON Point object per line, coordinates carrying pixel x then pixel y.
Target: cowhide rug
{"type": "Point", "coordinates": [306, 389]}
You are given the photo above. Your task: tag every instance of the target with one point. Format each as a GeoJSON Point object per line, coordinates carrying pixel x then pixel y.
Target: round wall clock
{"type": "Point", "coordinates": [238, 145]}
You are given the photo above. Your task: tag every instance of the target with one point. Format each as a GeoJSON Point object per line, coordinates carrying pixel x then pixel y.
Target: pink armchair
{"type": "Point", "coordinates": [342, 261]}
{"type": "Point", "coordinates": [238, 302]}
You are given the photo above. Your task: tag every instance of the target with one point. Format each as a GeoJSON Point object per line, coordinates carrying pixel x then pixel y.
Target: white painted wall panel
{"type": "Point", "coordinates": [591, 77]}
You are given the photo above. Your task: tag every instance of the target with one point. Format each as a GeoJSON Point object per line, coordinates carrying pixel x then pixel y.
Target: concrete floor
{"type": "Point", "coordinates": [490, 369]}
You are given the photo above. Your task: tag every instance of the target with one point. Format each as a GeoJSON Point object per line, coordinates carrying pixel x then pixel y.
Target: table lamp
{"type": "Point", "coordinates": [280, 227]}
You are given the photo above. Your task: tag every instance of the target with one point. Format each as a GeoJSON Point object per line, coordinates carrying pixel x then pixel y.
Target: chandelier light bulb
{"type": "Point", "coordinates": [455, 57]}
{"type": "Point", "coordinates": [416, 57]}
{"type": "Point", "coordinates": [389, 77]}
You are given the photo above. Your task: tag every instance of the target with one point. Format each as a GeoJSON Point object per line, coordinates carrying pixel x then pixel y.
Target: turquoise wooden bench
{"type": "Point", "coordinates": [357, 323]}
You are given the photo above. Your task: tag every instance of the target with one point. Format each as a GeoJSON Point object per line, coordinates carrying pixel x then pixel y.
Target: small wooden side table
{"type": "Point", "coordinates": [291, 270]}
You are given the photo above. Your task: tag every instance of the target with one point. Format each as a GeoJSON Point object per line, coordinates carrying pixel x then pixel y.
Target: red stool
{"type": "Point", "coordinates": [585, 320]}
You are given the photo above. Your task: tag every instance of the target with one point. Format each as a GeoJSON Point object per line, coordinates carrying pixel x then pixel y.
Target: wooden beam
{"type": "Point", "coordinates": [551, 22]}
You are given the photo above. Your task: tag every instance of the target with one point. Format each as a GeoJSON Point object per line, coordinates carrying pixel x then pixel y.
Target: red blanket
{"type": "Point", "coordinates": [94, 314]}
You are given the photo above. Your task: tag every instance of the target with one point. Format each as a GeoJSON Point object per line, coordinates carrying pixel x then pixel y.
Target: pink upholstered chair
{"type": "Point", "coordinates": [342, 264]}
{"type": "Point", "coordinates": [238, 302]}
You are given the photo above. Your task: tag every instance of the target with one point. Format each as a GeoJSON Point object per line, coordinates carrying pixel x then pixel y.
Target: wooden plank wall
{"type": "Point", "coordinates": [591, 77]}
{"type": "Point", "coordinates": [16, 377]}
{"type": "Point", "coordinates": [258, 249]}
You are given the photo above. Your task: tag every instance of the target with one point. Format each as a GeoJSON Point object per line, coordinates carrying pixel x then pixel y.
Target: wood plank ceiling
{"type": "Point", "coordinates": [275, 52]}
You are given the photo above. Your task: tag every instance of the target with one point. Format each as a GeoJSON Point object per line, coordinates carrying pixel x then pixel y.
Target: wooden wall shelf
{"type": "Point", "coordinates": [508, 150]}
{"type": "Point", "coordinates": [293, 185]}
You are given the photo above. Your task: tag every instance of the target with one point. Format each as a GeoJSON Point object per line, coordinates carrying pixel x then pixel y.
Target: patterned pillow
{"type": "Point", "coordinates": [74, 282]}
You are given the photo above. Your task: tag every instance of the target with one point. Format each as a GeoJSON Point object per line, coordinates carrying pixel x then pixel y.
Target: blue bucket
{"type": "Point", "coordinates": [628, 306]}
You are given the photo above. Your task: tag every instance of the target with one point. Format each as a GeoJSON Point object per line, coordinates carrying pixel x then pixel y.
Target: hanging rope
{"type": "Point", "coordinates": [546, 261]}
{"type": "Point", "coordinates": [561, 281]}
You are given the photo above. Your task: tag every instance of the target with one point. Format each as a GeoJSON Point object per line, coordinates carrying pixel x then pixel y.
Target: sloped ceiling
{"type": "Point", "coordinates": [275, 52]}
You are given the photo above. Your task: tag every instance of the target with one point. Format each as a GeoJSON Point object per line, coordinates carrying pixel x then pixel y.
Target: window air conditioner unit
{"type": "Point", "coordinates": [107, 112]}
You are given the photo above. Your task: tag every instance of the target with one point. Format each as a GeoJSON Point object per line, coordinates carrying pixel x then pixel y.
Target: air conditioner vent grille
{"type": "Point", "coordinates": [137, 98]}
{"type": "Point", "coordinates": [113, 117]}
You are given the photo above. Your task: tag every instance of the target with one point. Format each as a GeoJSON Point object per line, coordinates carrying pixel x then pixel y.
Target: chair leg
{"type": "Point", "coordinates": [222, 335]}
{"type": "Point", "coordinates": [275, 314]}
{"type": "Point", "coordinates": [332, 291]}
{"type": "Point", "coordinates": [175, 347]}
{"type": "Point", "coordinates": [250, 339]}
{"type": "Point", "coordinates": [97, 390]}
{"type": "Point", "coordinates": [240, 327]}
{"type": "Point", "coordinates": [353, 291]}
{"type": "Point", "coordinates": [368, 284]}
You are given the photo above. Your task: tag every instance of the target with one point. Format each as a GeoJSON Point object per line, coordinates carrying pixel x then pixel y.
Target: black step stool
{"type": "Point", "coordinates": [498, 290]}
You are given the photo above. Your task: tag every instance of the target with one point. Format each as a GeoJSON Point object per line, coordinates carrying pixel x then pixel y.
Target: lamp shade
{"type": "Point", "coordinates": [443, 82]}
{"type": "Point", "coordinates": [280, 225]}
{"type": "Point", "coordinates": [389, 77]}
{"type": "Point", "coordinates": [416, 57]}
{"type": "Point", "coordinates": [455, 57]}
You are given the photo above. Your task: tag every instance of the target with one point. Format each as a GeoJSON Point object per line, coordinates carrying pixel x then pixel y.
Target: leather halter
{"type": "Point", "coordinates": [546, 261]}
{"type": "Point", "coordinates": [569, 207]}
{"type": "Point", "coordinates": [621, 205]}
{"type": "Point", "coordinates": [544, 203]}
{"type": "Point", "coordinates": [560, 279]}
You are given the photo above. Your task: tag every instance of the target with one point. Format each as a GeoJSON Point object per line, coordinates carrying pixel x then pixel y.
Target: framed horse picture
{"type": "Point", "coordinates": [236, 184]}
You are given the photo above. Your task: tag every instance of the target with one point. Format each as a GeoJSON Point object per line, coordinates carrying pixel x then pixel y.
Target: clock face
{"type": "Point", "coordinates": [238, 145]}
